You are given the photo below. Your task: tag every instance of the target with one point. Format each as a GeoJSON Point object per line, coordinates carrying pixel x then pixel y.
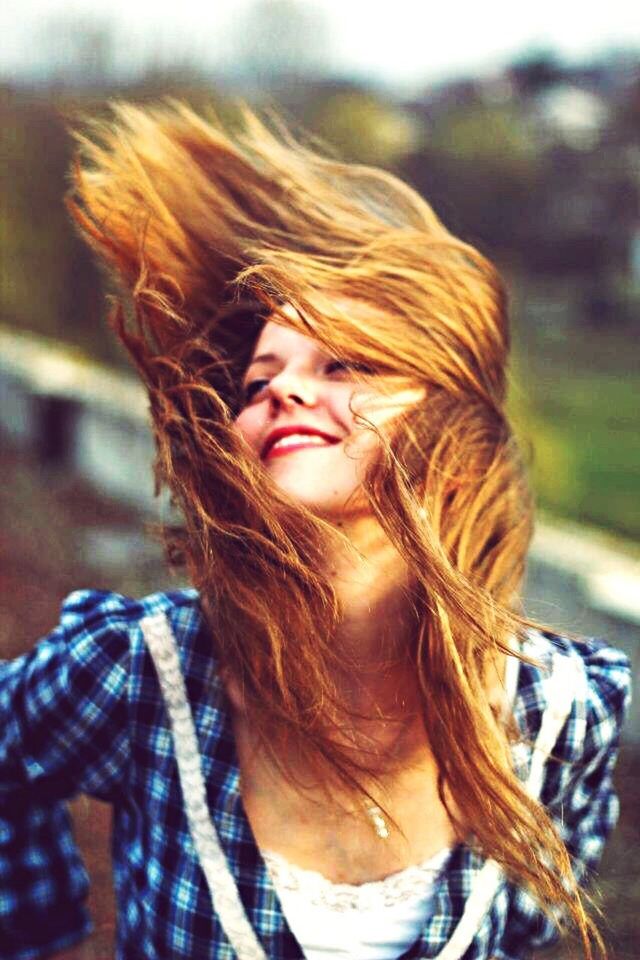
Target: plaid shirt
{"type": "Point", "coordinates": [83, 712]}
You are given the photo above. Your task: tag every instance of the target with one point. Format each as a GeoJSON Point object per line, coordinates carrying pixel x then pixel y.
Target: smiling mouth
{"type": "Point", "coordinates": [293, 442]}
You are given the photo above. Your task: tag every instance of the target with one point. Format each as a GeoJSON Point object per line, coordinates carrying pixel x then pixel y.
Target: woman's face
{"type": "Point", "coordinates": [299, 419]}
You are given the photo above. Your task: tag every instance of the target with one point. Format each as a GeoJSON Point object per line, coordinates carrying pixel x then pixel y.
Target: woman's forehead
{"type": "Point", "coordinates": [276, 337]}
{"type": "Point", "coordinates": [277, 331]}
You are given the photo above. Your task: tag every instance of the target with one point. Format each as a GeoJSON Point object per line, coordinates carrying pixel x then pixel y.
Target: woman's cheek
{"type": "Point", "coordinates": [361, 449]}
{"type": "Point", "coordinates": [248, 425]}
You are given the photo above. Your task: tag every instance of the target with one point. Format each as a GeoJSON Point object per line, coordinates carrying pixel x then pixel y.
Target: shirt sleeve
{"type": "Point", "coordinates": [580, 794]}
{"type": "Point", "coordinates": [63, 729]}
{"type": "Point", "coordinates": [578, 789]}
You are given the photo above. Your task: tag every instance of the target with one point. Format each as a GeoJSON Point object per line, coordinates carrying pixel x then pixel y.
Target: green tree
{"type": "Point", "coordinates": [363, 127]}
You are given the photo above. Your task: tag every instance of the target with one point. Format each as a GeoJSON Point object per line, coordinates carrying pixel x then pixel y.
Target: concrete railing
{"type": "Point", "coordinates": [78, 415]}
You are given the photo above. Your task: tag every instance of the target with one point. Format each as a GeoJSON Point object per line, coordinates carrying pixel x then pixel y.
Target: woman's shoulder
{"type": "Point", "coordinates": [98, 628]}
{"type": "Point", "coordinates": [70, 706]}
{"type": "Point", "coordinates": [585, 679]}
{"type": "Point", "coordinates": [100, 613]}
{"type": "Point", "coordinates": [88, 607]}
{"type": "Point", "coordinates": [102, 651]}
{"type": "Point", "coordinates": [592, 674]}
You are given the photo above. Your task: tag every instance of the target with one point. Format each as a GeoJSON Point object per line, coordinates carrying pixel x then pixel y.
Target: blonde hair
{"type": "Point", "coordinates": [210, 228]}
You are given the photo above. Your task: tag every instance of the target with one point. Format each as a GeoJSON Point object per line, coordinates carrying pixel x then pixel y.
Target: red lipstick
{"type": "Point", "coordinates": [303, 429]}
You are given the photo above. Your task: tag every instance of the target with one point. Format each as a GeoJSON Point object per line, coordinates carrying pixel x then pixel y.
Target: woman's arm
{"type": "Point", "coordinates": [578, 789]}
{"type": "Point", "coordinates": [43, 883]}
{"type": "Point", "coordinates": [63, 729]}
{"type": "Point", "coordinates": [580, 795]}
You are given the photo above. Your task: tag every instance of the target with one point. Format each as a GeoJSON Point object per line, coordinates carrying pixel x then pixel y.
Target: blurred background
{"type": "Point", "coordinates": [523, 131]}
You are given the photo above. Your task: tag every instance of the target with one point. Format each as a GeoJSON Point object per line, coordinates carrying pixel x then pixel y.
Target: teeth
{"type": "Point", "coordinates": [294, 438]}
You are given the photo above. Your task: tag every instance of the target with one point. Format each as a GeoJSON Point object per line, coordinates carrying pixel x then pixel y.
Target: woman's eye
{"type": "Point", "coordinates": [349, 366]}
{"type": "Point", "coordinates": [253, 387]}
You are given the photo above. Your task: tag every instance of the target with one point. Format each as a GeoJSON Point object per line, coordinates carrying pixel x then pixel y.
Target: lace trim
{"type": "Point", "coordinates": [413, 883]}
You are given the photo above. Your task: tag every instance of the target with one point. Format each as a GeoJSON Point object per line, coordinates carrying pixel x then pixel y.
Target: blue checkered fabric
{"type": "Point", "coordinates": [82, 712]}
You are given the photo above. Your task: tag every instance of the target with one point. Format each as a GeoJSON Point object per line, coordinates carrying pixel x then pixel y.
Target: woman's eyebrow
{"type": "Point", "coordinates": [271, 357]}
{"type": "Point", "coordinates": [263, 358]}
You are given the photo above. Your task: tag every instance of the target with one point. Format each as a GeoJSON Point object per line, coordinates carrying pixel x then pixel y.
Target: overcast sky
{"type": "Point", "coordinates": [402, 41]}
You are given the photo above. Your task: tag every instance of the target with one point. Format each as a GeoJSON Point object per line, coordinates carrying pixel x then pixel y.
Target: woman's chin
{"type": "Point", "coordinates": [328, 489]}
{"type": "Point", "coordinates": [336, 505]}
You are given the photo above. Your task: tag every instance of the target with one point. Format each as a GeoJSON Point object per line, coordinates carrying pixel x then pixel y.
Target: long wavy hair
{"type": "Point", "coordinates": [209, 228]}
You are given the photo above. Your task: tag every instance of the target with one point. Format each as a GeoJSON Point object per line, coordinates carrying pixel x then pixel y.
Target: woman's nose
{"type": "Point", "coordinates": [289, 389]}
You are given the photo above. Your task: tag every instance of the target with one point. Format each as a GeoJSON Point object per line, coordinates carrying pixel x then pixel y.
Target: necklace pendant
{"type": "Point", "coordinates": [378, 821]}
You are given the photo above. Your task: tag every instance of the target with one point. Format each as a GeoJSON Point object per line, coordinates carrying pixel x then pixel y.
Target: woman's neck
{"type": "Point", "coordinates": [378, 623]}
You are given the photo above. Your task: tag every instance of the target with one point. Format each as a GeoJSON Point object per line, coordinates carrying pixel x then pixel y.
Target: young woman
{"type": "Point", "coordinates": [345, 740]}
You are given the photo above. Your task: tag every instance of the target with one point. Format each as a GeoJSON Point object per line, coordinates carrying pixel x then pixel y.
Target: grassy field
{"type": "Point", "coordinates": [575, 399]}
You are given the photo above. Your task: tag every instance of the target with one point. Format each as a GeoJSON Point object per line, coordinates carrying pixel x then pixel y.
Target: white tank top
{"type": "Point", "coordinates": [371, 921]}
